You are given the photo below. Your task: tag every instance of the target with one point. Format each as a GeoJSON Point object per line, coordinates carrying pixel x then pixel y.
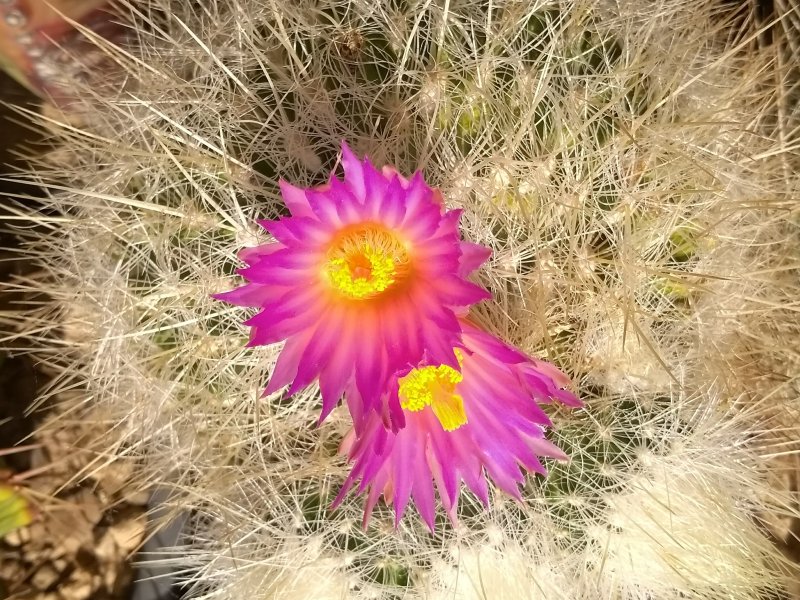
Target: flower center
{"type": "Point", "coordinates": [435, 387]}
{"type": "Point", "coordinates": [366, 261]}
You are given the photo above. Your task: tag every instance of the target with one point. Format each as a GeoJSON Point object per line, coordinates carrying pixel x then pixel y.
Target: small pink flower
{"type": "Point", "coordinates": [365, 278]}
{"type": "Point", "coordinates": [480, 418]}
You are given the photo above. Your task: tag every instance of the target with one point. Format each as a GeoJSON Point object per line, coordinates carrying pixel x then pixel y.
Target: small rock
{"type": "Point", "coordinates": [37, 532]}
{"type": "Point", "coordinates": [128, 534]}
{"type": "Point", "coordinates": [79, 586]}
{"type": "Point", "coordinates": [44, 577]}
{"type": "Point", "coordinates": [57, 552]}
{"type": "Point", "coordinates": [60, 564]}
{"type": "Point", "coordinates": [89, 504]}
{"type": "Point", "coordinates": [113, 477]}
{"type": "Point", "coordinates": [106, 548]}
{"type": "Point", "coordinates": [69, 553]}
{"type": "Point", "coordinates": [109, 578]}
{"type": "Point", "coordinates": [8, 569]}
{"type": "Point", "coordinates": [139, 498]}
{"type": "Point", "coordinates": [34, 553]}
{"type": "Point", "coordinates": [18, 537]}
{"type": "Point", "coordinates": [70, 530]}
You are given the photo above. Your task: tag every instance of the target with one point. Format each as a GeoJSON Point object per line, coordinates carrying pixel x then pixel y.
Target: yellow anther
{"type": "Point", "coordinates": [435, 387]}
{"type": "Point", "coordinates": [366, 261]}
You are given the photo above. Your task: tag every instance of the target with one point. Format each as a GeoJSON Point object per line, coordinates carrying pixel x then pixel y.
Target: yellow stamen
{"type": "Point", "coordinates": [435, 387]}
{"type": "Point", "coordinates": [366, 261]}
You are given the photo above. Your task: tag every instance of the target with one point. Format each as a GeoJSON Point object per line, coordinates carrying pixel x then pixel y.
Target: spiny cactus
{"type": "Point", "coordinates": [621, 161]}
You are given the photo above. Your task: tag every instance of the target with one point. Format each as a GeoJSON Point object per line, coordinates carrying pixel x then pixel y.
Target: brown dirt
{"type": "Point", "coordinates": [87, 524]}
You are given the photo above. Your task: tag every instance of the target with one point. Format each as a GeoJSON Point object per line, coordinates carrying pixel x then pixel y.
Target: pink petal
{"type": "Point", "coordinates": [455, 291]}
{"type": "Point", "coordinates": [403, 464]}
{"type": "Point", "coordinates": [289, 259]}
{"type": "Point", "coordinates": [355, 406]}
{"type": "Point", "coordinates": [440, 455]}
{"type": "Point", "coordinates": [435, 258]}
{"type": "Point", "coordinates": [491, 347]}
{"type": "Point", "coordinates": [447, 227]}
{"type": "Point", "coordinates": [390, 173]}
{"type": "Point", "coordinates": [353, 172]}
{"type": "Point", "coordinates": [423, 493]}
{"type": "Point", "coordinates": [248, 295]}
{"type": "Point", "coordinates": [308, 231]}
{"type": "Point", "coordinates": [369, 505]}
{"type": "Point", "coordinates": [476, 482]}
{"type": "Point", "coordinates": [394, 413]}
{"type": "Point", "coordinates": [278, 329]}
{"type": "Point", "coordinates": [551, 371]}
{"type": "Point", "coordinates": [316, 352]}
{"type": "Point", "coordinates": [402, 330]}
{"type": "Point", "coordinates": [375, 185]}
{"type": "Point", "coordinates": [348, 206]}
{"type": "Point", "coordinates": [439, 348]}
{"type": "Point", "coordinates": [472, 257]}
{"type": "Point", "coordinates": [295, 199]}
{"type": "Point", "coordinates": [392, 210]}
{"type": "Point", "coordinates": [505, 473]}
{"type": "Point", "coordinates": [338, 370]}
{"type": "Point", "coordinates": [277, 277]}
{"type": "Point", "coordinates": [289, 303]}
{"type": "Point", "coordinates": [371, 363]}
{"type": "Point", "coordinates": [544, 447]}
{"type": "Point", "coordinates": [347, 442]}
{"type": "Point", "coordinates": [325, 208]}
{"type": "Point", "coordinates": [288, 361]}
{"type": "Point", "coordinates": [253, 255]}
{"type": "Point", "coordinates": [421, 224]}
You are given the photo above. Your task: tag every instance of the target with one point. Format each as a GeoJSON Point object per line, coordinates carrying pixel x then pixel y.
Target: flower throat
{"type": "Point", "coordinates": [366, 261]}
{"type": "Point", "coordinates": [435, 387]}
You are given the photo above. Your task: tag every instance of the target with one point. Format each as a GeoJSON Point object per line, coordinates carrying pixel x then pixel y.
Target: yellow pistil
{"type": "Point", "coordinates": [366, 261]}
{"type": "Point", "coordinates": [435, 387]}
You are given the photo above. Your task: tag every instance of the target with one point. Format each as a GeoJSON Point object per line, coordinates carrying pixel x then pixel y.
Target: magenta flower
{"type": "Point", "coordinates": [365, 278]}
{"type": "Point", "coordinates": [482, 418]}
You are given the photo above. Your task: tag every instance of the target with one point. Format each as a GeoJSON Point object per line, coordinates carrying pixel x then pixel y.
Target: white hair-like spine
{"type": "Point", "coordinates": [623, 162]}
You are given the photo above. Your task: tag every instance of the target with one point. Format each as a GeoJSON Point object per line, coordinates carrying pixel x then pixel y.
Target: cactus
{"type": "Point", "coordinates": [620, 160]}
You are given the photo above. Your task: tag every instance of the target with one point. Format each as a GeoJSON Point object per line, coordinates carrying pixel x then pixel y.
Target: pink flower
{"type": "Point", "coordinates": [482, 418]}
{"type": "Point", "coordinates": [365, 278]}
